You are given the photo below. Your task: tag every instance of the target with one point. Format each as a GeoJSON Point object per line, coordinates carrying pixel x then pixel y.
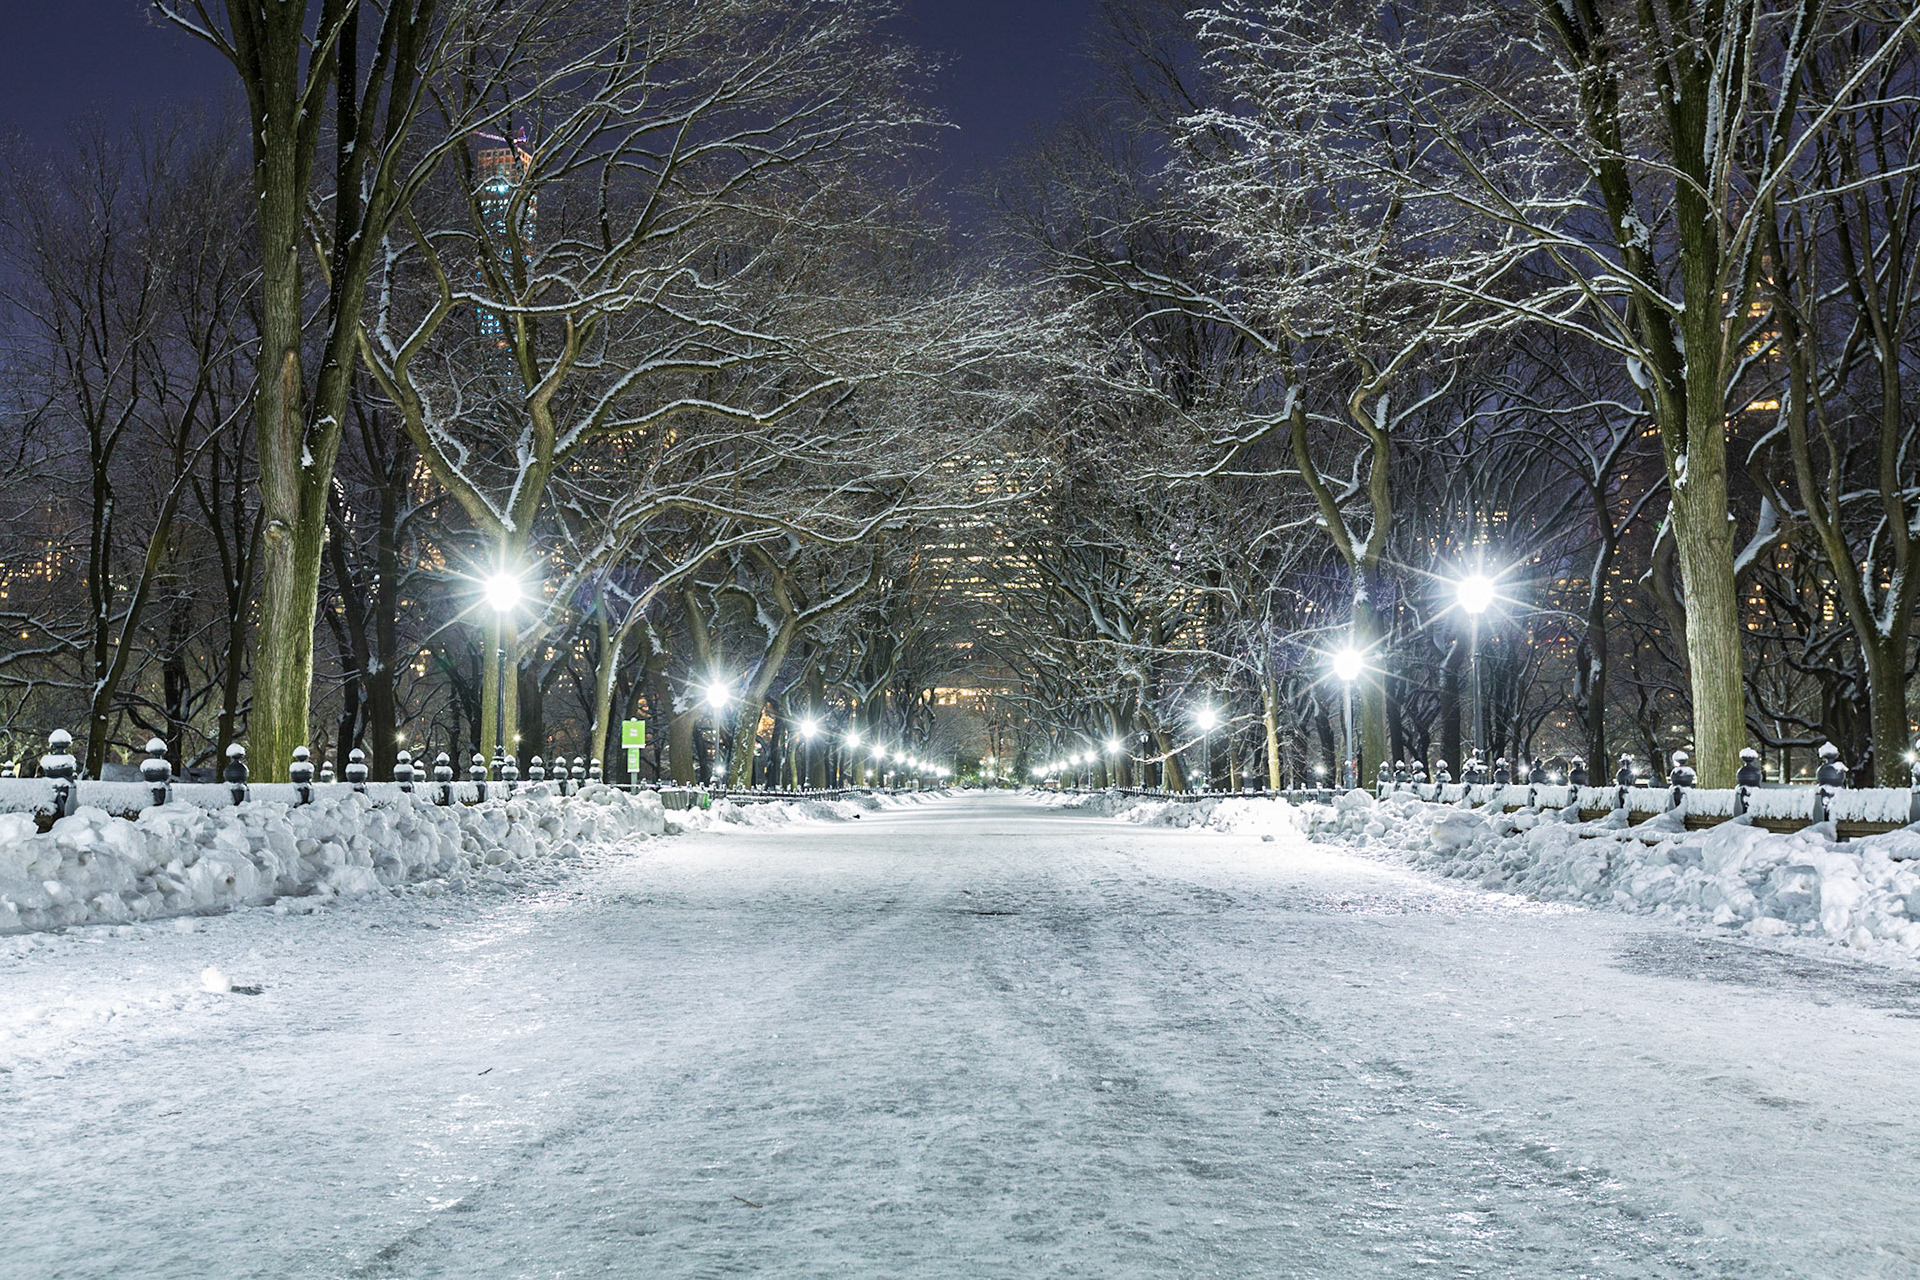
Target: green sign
{"type": "Point", "coordinates": [633, 734]}
{"type": "Point", "coordinates": [633, 762]}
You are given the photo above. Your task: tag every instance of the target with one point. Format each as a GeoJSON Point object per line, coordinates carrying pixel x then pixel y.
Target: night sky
{"type": "Point", "coordinates": [1012, 66]}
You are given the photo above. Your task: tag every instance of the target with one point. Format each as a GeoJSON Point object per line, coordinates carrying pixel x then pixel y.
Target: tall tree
{"type": "Point", "coordinates": [356, 75]}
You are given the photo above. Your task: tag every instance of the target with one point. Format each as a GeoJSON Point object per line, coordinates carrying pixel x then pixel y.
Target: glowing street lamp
{"type": "Point", "coordinates": [502, 592]}
{"type": "Point", "coordinates": [717, 695]}
{"type": "Point", "coordinates": [1347, 666]}
{"type": "Point", "coordinates": [1208, 719]}
{"type": "Point", "coordinates": [1475, 593]}
{"type": "Point", "coordinates": [809, 730]}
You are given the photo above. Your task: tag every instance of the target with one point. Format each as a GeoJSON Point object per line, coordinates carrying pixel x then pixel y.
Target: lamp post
{"type": "Point", "coordinates": [717, 697]}
{"type": "Point", "coordinates": [1347, 665]}
{"type": "Point", "coordinates": [1114, 748]}
{"type": "Point", "coordinates": [503, 596]}
{"type": "Point", "coordinates": [1207, 718]}
{"type": "Point", "coordinates": [809, 730]}
{"type": "Point", "coordinates": [1475, 593]}
{"type": "Point", "coordinates": [852, 753]}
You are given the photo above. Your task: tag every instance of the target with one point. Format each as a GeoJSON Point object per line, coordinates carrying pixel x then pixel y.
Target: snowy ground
{"type": "Point", "coordinates": [976, 1037]}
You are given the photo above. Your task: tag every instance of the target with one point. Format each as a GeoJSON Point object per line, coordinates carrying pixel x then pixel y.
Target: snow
{"type": "Point", "coordinates": [1863, 894]}
{"type": "Point", "coordinates": [1232, 814]}
{"type": "Point", "coordinates": [1649, 799]}
{"type": "Point", "coordinates": [1596, 797]}
{"type": "Point", "coordinates": [1782, 802]}
{"type": "Point", "coordinates": [960, 1037]}
{"type": "Point", "coordinates": [28, 795]}
{"type": "Point", "coordinates": [1873, 804]}
{"type": "Point", "coordinates": [181, 859]}
{"type": "Point", "coordinates": [1709, 802]}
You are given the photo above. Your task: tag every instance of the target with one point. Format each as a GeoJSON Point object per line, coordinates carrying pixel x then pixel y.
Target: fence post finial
{"type": "Point", "coordinates": [300, 774]}
{"type": "Point", "coordinates": [237, 772]}
{"type": "Point", "coordinates": [157, 771]}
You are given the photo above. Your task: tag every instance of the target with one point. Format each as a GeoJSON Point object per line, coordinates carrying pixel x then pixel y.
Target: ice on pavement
{"type": "Point", "coordinates": [975, 1037]}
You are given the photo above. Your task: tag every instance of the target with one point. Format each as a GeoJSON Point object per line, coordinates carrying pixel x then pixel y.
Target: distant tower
{"type": "Point", "coordinates": [502, 165]}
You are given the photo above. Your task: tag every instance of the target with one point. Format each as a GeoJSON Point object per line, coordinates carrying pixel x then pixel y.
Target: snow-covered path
{"type": "Point", "coordinates": [976, 1038]}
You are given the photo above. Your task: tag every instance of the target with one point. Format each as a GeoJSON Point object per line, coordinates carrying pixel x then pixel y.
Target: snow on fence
{"type": "Point", "coordinates": [1794, 803]}
{"type": "Point", "coordinates": [1552, 796]}
{"type": "Point", "coordinates": [1874, 804]}
{"type": "Point", "coordinates": [1649, 799]}
{"type": "Point", "coordinates": [1710, 802]}
{"type": "Point", "coordinates": [1606, 799]}
{"type": "Point", "coordinates": [1862, 806]}
{"type": "Point", "coordinates": [126, 799]}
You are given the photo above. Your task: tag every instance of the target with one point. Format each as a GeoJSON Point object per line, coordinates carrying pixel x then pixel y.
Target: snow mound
{"type": "Point", "coordinates": [1232, 815]}
{"type": "Point", "coordinates": [1100, 804]}
{"type": "Point", "coordinates": [1864, 894]}
{"type": "Point", "coordinates": [185, 859]}
{"type": "Point", "coordinates": [776, 813]}
{"type": "Point", "coordinates": [179, 859]}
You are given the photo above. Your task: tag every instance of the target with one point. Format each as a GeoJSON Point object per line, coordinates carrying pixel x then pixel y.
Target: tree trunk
{"type": "Point", "coordinates": [1450, 705]}
{"type": "Point", "coordinates": [383, 704]}
{"type": "Point", "coordinates": [1371, 711]}
{"type": "Point", "coordinates": [1172, 776]}
{"type": "Point", "coordinates": [1716, 665]}
{"type": "Point", "coordinates": [1270, 720]}
{"type": "Point", "coordinates": [681, 759]}
{"type": "Point", "coordinates": [604, 674]}
{"type": "Point", "coordinates": [175, 682]}
{"type": "Point", "coordinates": [1323, 729]}
{"type": "Point", "coordinates": [504, 632]}
{"type": "Point", "coordinates": [529, 720]}
{"type": "Point", "coordinates": [1887, 710]}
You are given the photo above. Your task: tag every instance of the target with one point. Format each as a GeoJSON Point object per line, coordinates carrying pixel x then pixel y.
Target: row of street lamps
{"type": "Point", "coordinates": [503, 593]}
{"type": "Point", "coordinates": [1474, 593]}
{"type": "Point", "coordinates": [1079, 760]}
{"type": "Point", "coordinates": [719, 695]}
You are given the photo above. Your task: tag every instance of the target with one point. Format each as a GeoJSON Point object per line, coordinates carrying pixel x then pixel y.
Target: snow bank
{"type": "Point", "coordinates": [1237, 815]}
{"type": "Point", "coordinates": [775, 813]}
{"type": "Point", "coordinates": [1735, 875]}
{"type": "Point", "coordinates": [187, 858]}
{"type": "Point", "coordinates": [727, 811]}
{"type": "Point", "coordinates": [1234, 815]}
{"type": "Point", "coordinates": [1102, 804]}
{"type": "Point", "coordinates": [180, 859]}
{"type": "Point", "coordinates": [1864, 893]}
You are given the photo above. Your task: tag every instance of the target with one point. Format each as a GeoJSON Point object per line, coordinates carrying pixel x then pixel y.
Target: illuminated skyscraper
{"type": "Point", "coordinates": [502, 167]}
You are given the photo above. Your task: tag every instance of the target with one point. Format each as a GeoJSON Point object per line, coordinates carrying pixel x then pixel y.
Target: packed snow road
{"type": "Point", "coordinates": [977, 1038]}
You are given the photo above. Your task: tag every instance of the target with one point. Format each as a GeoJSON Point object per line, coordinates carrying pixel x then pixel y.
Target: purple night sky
{"type": "Point", "coordinates": [1012, 66]}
